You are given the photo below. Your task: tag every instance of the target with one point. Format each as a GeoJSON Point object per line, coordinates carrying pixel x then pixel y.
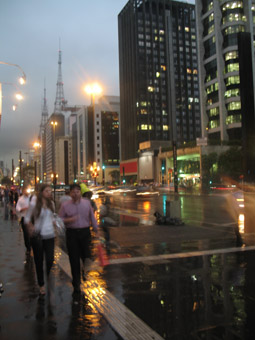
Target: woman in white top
{"type": "Point", "coordinates": [40, 221]}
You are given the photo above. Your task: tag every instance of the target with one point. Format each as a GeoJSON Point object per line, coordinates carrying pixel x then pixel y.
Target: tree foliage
{"type": "Point", "coordinates": [6, 180]}
{"type": "Point", "coordinates": [230, 163]}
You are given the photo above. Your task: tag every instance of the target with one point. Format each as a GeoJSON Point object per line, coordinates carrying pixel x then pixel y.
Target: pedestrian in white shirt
{"type": "Point", "coordinates": [22, 207]}
{"type": "Point", "coordinates": [40, 221]}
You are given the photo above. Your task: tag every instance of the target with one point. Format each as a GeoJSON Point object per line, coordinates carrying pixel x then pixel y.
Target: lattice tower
{"type": "Point", "coordinates": [60, 101]}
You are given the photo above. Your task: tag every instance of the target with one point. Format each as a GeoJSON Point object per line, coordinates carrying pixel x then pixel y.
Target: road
{"type": "Point", "coordinates": [195, 209]}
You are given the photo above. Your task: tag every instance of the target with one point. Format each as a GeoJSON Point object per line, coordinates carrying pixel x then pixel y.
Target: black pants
{"type": "Point", "coordinates": [40, 248]}
{"type": "Point", "coordinates": [25, 235]}
{"type": "Point", "coordinates": [78, 246]}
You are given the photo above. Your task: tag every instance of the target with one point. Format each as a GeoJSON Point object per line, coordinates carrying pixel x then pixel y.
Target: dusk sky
{"type": "Point", "coordinates": [30, 31]}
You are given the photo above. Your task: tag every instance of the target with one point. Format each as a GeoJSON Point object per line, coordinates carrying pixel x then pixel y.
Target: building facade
{"type": "Point", "coordinates": [64, 160]}
{"type": "Point", "coordinates": [52, 131]}
{"type": "Point", "coordinates": [159, 87]}
{"type": "Point", "coordinates": [220, 28]}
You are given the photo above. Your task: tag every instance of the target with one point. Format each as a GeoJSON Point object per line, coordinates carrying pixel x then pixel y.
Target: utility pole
{"type": "Point", "coordinates": [20, 169]}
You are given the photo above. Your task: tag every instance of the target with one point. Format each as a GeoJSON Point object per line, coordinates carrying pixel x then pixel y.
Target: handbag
{"type": "Point", "coordinates": [102, 256]}
{"type": "Point", "coordinates": [59, 224]}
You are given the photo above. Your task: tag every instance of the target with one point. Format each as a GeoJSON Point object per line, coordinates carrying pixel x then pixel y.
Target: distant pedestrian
{"type": "Point", "coordinates": [22, 207]}
{"type": "Point", "coordinates": [88, 195]}
{"type": "Point", "coordinates": [65, 197]}
{"type": "Point", "coordinates": [78, 215]}
{"type": "Point", "coordinates": [40, 221]}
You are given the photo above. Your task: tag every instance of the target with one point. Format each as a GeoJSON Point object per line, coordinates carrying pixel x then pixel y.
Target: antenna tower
{"type": "Point", "coordinates": [45, 115]}
{"type": "Point", "coordinates": [60, 101]}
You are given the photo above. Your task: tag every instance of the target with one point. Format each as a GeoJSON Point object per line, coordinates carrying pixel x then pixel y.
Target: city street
{"type": "Point", "coordinates": [163, 282]}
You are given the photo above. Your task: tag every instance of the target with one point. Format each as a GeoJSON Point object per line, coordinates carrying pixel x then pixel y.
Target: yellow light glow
{"type": "Point", "coordinates": [241, 223]}
{"type": "Point", "coordinates": [54, 123]}
{"type": "Point", "coordinates": [22, 80]}
{"type": "Point", "coordinates": [93, 89]}
{"type": "Point", "coordinates": [36, 145]}
{"type": "Point", "coordinates": [19, 96]}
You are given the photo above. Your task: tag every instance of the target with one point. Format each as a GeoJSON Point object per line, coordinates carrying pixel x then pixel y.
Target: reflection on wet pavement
{"type": "Point", "coordinates": [206, 297]}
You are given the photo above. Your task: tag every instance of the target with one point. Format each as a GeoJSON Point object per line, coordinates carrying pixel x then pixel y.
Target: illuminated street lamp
{"type": "Point", "coordinates": [93, 90]}
{"type": "Point", "coordinates": [54, 178]}
{"type": "Point", "coordinates": [54, 124]}
{"type": "Point", "coordinates": [22, 81]}
{"type": "Point", "coordinates": [37, 147]}
{"type": "Point", "coordinates": [94, 171]}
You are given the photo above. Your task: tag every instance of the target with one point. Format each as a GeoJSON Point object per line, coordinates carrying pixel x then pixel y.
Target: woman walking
{"type": "Point", "coordinates": [40, 221]}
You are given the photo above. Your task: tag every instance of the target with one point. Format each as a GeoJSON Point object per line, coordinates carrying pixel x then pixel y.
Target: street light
{"type": "Point", "coordinates": [54, 177]}
{"type": "Point", "coordinates": [22, 81]}
{"type": "Point", "coordinates": [92, 90]}
{"type": "Point", "coordinates": [54, 124]}
{"type": "Point", "coordinates": [36, 146]}
{"type": "Point", "coordinates": [94, 171]}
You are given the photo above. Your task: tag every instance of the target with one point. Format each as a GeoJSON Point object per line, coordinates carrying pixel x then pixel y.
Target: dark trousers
{"type": "Point", "coordinates": [78, 246]}
{"type": "Point", "coordinates": [40, 248]}
{"type": "Point", "coordinates": [25, 235]}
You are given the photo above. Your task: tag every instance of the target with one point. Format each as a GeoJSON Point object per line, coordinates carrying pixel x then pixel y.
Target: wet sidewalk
{"type": "Point", "coordinates": [169, 283]}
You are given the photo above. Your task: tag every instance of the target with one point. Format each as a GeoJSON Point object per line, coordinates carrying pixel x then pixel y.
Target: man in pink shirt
{"type": "Point", "coordinates": [78, 216]}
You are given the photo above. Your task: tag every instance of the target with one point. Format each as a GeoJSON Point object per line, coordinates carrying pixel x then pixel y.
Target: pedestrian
{"type": "Point", "coordinates": [65, 197]}
{"type": "Point", "coordinates": [22, 207]}
{"type": "Point", "coordinates": [40, 221]}
{"type": "Point", "coordinates": [88, 195]}
{"type": "Point", "coordinates": [77, 215]}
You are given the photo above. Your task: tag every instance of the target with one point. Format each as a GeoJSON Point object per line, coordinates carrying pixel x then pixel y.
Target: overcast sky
{"type": "Point", "coordinates": [29, 36]}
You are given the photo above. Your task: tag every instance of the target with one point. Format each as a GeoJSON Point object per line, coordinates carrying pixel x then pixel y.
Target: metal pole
{"type": "Point", "coordinates": [35, 164]}
{"type": "Point", "coordinates": [20, 168]}
{"type": "Point", "coordinates": [175, 167]}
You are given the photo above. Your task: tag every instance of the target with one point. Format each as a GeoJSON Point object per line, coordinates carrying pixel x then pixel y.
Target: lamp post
{"type": "Point", "coordinates": [54, 177]}
{"type": "Point", "coordinates": [94, 171]}
{"type": "Point", "coordinates": [92, 90]}
{"type": "Point", "coordinates": [103, 174]}
{"type": "Point", "coordinates": [54, 124]}
{"type": "Point", "coordinates": [22, 81]}
{"type": "Point", "coordinates": [37, 147]}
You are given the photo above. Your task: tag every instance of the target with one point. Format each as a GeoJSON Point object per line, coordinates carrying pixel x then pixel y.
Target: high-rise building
{"type": "Point", "coordinates": [96, 138]}
{"type": "Point", "coordinates": [159, 91]}
{"type": "Point", "coordinates": [222, 28]}
{"type": "Point", "coordinates": [107, 131]}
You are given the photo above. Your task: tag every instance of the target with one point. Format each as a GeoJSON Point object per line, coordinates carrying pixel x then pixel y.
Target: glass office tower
{"type": "Point", "coordinates": [159, 94]}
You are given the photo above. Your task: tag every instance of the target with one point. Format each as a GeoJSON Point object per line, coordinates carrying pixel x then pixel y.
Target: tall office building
{"type": "Point", "coordinates": [226, 60]}
{"type": "Point", "coordinates": [159, 94]}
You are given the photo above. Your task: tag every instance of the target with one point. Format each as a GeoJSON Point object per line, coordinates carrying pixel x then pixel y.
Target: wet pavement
{"type": "Point", "coordinates": [188, 282]}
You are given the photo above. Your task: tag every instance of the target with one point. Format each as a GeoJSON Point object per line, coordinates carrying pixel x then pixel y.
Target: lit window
{"type": "Point", "coordinates": [232, 80]}
{"type": "Point", "coordinates": [150, 89]}
{"type": "Point", "coordinates": [233, 119]}
{"type": "Point", "coordinates": [157, 74]}
{"type": "Point", "coordinates": [163, 67]}
{"type": "Point", "coordinates": [214, 124]}
{"type": "Point", "coordinates": [186, 29]}
{"type": "Point", "coordinates": [231, 55]}
{"type": "Point", "coordinates": [144, 127]}
{"type": "Point", "coordinates": [232, 93]}
{"type": "Point", "coordinates": [234, 106]}
{"type": "Point", "coordinates": [165, 127]}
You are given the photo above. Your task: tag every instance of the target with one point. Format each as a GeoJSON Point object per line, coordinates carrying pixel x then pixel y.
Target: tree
{"type": "Point", "coordinates": [208, 161]}
{"type": "Point", "coordinates": [230, 163]}
{"type": "Point", "coordinates": [6, 180]}
{"type": "Point", "coordinates": [115, 174]}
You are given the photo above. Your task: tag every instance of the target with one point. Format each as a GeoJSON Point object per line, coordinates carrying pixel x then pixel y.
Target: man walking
{"type": "Point", "coordinates": [77, 215]}
{"type": "Point", "coordinates": [22, 207]}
